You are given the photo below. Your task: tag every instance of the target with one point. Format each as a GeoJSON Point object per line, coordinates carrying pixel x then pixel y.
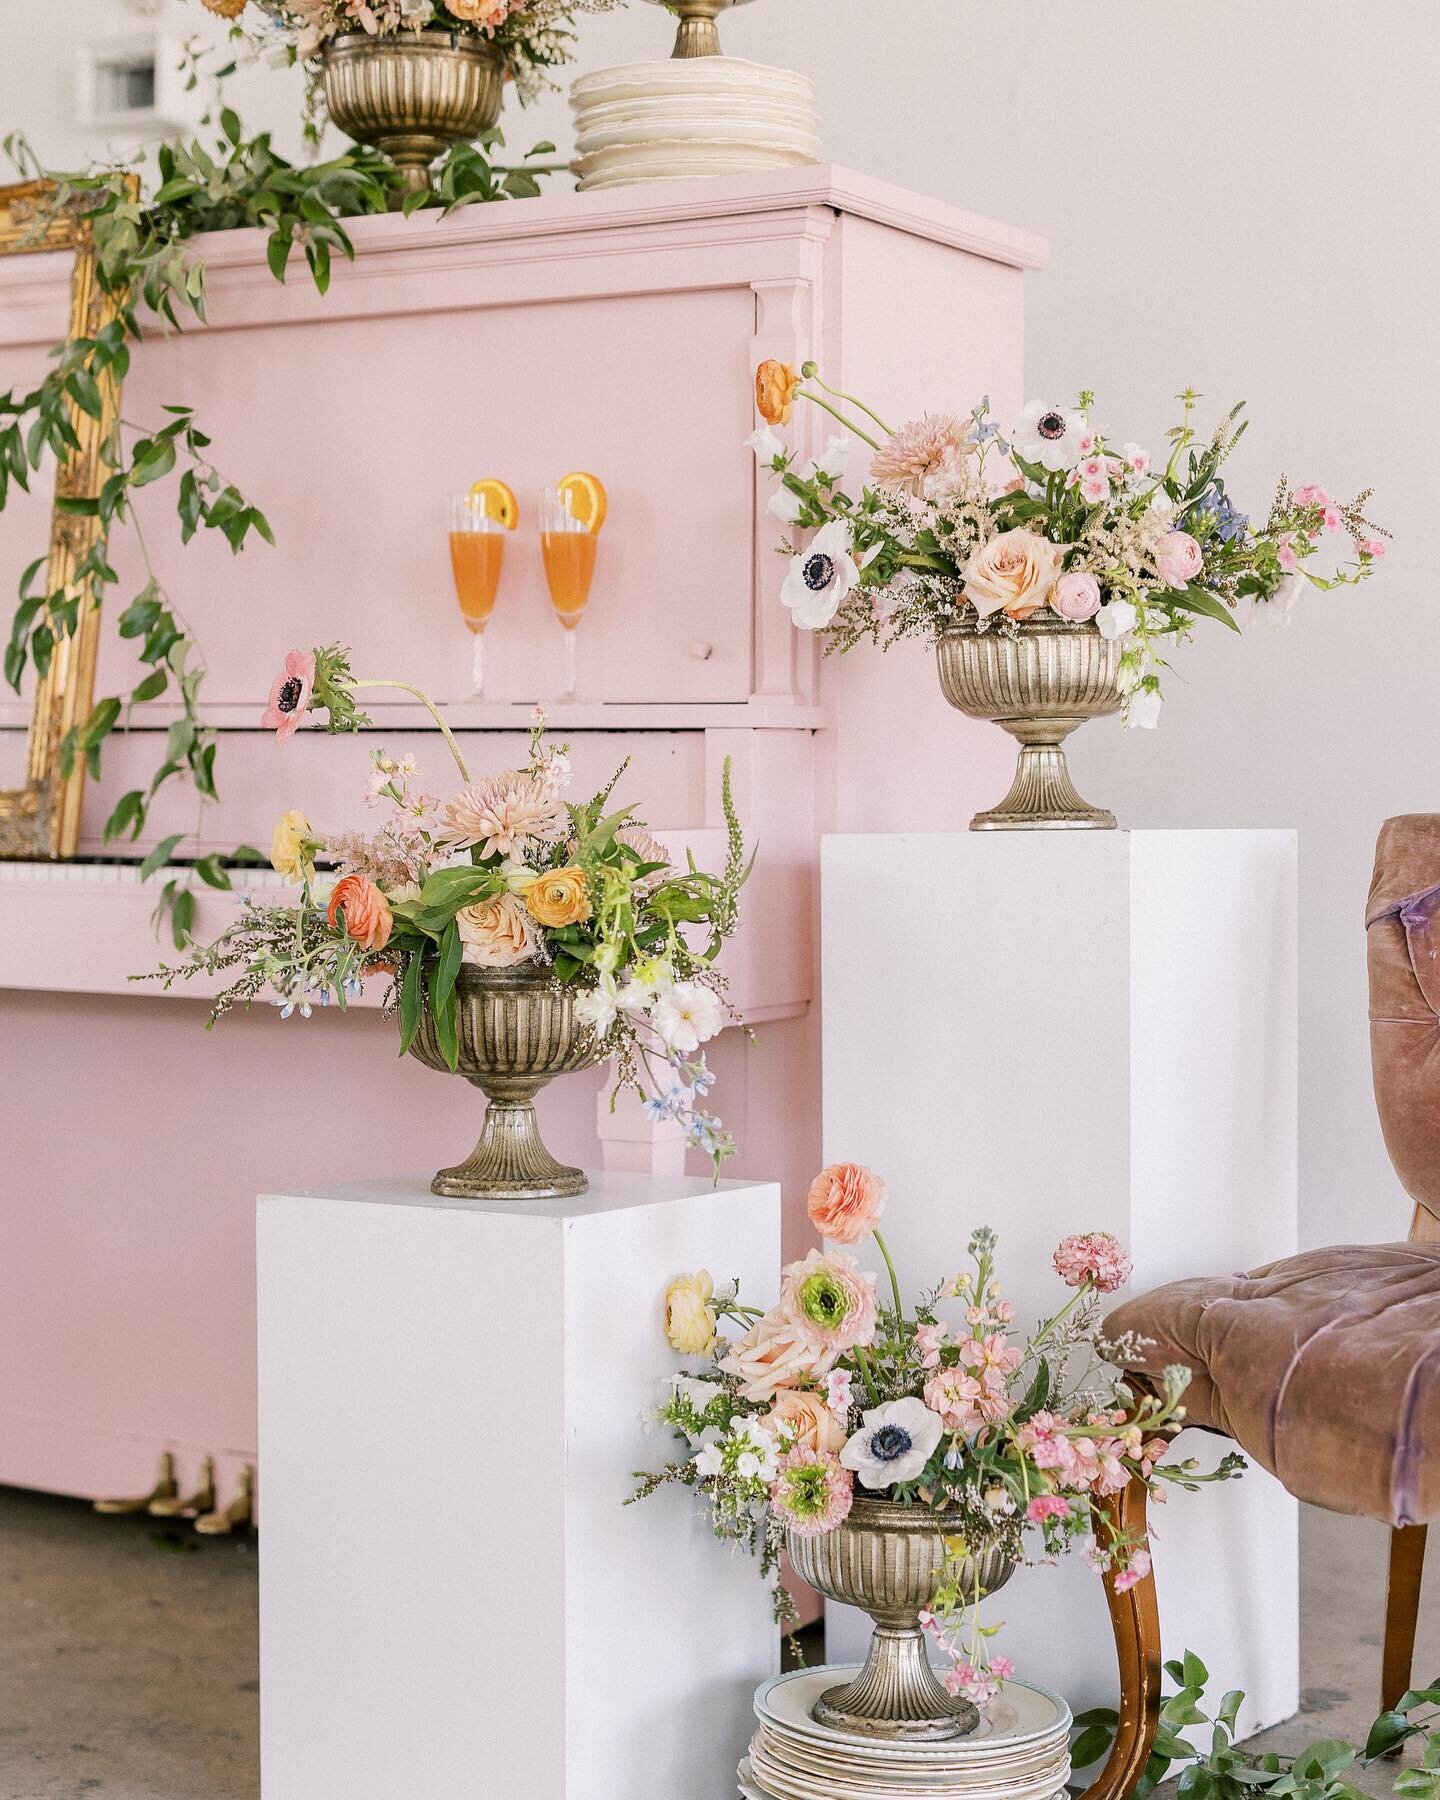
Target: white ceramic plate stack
{"type": "Point", "coordinates": [1020, 1752]}
{"type": "Point", "coordinates": [703, 115]}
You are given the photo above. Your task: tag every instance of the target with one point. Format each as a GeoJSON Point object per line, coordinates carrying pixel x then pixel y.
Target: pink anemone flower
{"type": "Point", "coordinates": [290, 694]}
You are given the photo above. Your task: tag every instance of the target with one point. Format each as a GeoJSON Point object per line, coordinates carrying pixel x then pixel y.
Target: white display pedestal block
{"type": "Point", "coordinates": [454, 1601]}
{"type": "Point", "coordinates": [1051, 1032]}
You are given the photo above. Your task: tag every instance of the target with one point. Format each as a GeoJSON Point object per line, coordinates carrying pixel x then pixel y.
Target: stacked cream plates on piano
{"type": "Point", "coordinates": [1020, 1752]}
{"type": "Point", "coordinates": [702, 115]}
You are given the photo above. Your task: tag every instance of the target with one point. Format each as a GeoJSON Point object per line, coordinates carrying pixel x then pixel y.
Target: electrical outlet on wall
{"type": "Point", "coordinates": [136, 81]}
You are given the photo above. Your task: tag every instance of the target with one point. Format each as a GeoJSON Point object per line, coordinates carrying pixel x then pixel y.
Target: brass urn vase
{"type": "Point", "coordinates": [888, 1559]}
{"type": "Point", "coordinates": [412, 94]}
{"type": "Point", "coordinates": [1038, 683]}
{"type": "Point", "coordinates": [518, 1031]}
{"type": "Point", "coordinates": [698, 32]}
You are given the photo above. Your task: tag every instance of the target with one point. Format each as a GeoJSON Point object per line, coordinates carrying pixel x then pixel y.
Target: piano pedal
{"type": "Point", "coordinates": [172, 1506]}
{"type": "Point", "coordinates": [164, 1489]}
{"type": "Point", "coordinates": [237, 1513]}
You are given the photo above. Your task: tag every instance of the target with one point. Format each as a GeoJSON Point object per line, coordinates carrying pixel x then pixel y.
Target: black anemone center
{"type": "Point", "coordinates": [889, 1442]}
{"type": "Point", "coordinates": [1051, 426]}
{"type": "Point", "coordinates": [290, 694]}
{"type": "Point", "coordinates": [819, 571]}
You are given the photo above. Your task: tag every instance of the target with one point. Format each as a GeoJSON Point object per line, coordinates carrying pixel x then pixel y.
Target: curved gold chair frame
{"type": "Point", "coordinates": [42, 819]}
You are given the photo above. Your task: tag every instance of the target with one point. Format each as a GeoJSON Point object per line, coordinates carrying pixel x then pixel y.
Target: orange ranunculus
{"type": "Point", "coordinates": [844, 1202]}
{"type": "Point", "coordinates": [367, 914]}
{"type": "Point", "coordinates": [560, 898]}
{"type": "Point", "coordinates": [776, 385]}
{"type": "Point", "coordinates": [227, 9]}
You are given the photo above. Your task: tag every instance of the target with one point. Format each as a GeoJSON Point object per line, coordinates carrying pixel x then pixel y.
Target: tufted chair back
{"type": "Point", "coordinates": [1403, 932]}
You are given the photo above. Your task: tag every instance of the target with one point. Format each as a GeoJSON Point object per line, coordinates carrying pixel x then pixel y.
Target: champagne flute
{"type": "Point", "coordinates": [479, 522]}
{"type": "Point", "coordinates": [571, 514]}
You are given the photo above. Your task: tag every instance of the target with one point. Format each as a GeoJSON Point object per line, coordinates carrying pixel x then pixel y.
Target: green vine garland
{"type": "Point", "coordinates": [145, 258]}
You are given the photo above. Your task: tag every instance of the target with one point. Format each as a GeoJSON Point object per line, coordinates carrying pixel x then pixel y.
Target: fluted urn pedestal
{"type": "Point", "coordinates": [517, 1031]}
{"type": "Point", "coordinates": [887, 1559]}
{"type": "Point", "coordinates": [1038, 684]}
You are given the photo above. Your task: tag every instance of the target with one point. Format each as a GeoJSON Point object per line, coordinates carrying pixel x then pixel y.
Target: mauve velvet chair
{"type": "Point", "coordinates": [1325, 1368]}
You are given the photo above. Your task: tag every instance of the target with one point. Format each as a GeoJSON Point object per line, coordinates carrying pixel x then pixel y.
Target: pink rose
{"type": "Point", "coordinates": [1179, 559]}
{"type": "Point", "coordinates": [771, 1355]}
{"type": "Point", "coordinates": [1076, 596]}
{"type": "Point", "coordinates": [844, 1202]}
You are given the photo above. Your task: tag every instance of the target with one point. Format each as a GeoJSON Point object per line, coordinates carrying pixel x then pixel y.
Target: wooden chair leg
{"type": "Point", "coordinates": [1402, 1610]}
{"type": "Point", "coordinates": [1135, 1618]}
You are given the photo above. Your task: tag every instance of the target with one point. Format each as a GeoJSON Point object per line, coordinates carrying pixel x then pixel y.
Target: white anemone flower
{"type": "Point", "coordinates": [687, 1016]}
{"type": "Point", "coordinates": [819, 578]}
{"type": "Point", "coordinates": [893, 1444]}
{"type": "Point", "coordinates": [1052, 436]}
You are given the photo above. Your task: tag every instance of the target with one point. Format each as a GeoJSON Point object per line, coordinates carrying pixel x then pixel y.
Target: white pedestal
{"type": "Point", "coordinates": [1054, 1032]}
{"type": "Point", "coordinates": [454, 1601]}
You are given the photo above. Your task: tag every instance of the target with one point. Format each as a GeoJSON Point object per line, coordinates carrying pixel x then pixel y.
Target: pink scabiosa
{"type": "Point", "coordinates": [829, 1301]}
{"type": "Point", "coordinates": [811, 1492]}
{"type": "Point", "coordinates": [290, 694]}
{"type": "Point", "coordinates": [1094, 1259]}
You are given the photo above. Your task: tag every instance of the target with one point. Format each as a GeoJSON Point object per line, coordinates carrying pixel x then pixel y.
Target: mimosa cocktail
{"type": "Point", "coordinates": [479, 522]}
{"type": "Point", "coordinates": [572, 513]}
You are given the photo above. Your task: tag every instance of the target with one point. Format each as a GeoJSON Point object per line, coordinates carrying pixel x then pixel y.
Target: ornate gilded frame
{"type": "Point", "coordinates": [42, 819]}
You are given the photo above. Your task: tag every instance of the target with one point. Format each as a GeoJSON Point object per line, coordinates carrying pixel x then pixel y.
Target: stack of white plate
{"type": "Point", "coordinates": [702, 115]}
{"type": "Point", "coordinates": [1021, 1751]}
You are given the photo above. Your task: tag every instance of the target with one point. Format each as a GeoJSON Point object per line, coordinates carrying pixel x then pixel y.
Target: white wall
{"type": "Point", "coordinates": [1240, 197]}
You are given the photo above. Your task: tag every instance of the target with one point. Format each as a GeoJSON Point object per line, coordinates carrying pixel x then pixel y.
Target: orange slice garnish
{"type": "Point", "coordinates": [585, 496]}
{"type": "Point", "coordinates": [497, 502]}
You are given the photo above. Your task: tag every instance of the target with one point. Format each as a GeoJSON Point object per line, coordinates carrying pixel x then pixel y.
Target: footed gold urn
{"type": "Point", "coordinates": [517, 1031]}
{"type": "Point", "coordinates": [1038, 683]}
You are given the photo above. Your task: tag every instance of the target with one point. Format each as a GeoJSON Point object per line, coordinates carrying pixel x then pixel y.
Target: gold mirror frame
{"type": "Point", "coordinates": [42, 819]}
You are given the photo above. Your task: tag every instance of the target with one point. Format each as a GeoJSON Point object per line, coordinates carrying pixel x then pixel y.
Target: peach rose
{"type": "Point", "coordinates": [496, 933]}
{"type": "Point", "coordinates": [809, 1416]}
{"type": "Point", "coordinates": [560, 898]}
{"type": "Point", "coordinates": [366, 911]}
{"type": "Point", "coordinates": [488, 14]}
{"type": "Point", "coordinates": [776, 385]}
{"type": "Point", "coordinates": [771, 1355]}
{"type": "Point", "coordinates": [1013, 574]}
{"type": "Point", "coordinates": [844, 1202]}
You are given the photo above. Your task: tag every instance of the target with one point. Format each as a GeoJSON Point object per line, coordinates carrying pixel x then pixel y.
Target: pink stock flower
{"type": "Point", "coordinates": [924, 451]}
{"type": "Point", "coordinates": [1094, 1257]}
{"type": "Point", "coordinates": [1047, 1506]}
{"type": "Point", "coordinates": [992, 1352]}
{"type": "Point", "coordinates": [1111, 1475]}
{"type": "Point", "coordinates": [928, 1339]}
{"type": "Point", "coordinates": [1076, 596]}
{"type": "Point", "coordinates": [956, 1398]}
{"type": "Point", "coordinates": [844, 1202]}
{"type": "Point", "coordinates": [1375, 547]}
{"type": "Point", "coordinates": [1286, 554]}
{"type": "Point", "coordinates": [1178, 559]}
{"type": "Point", "coordinates": [290, 694]}
{"type": "Point", "coordinates": [1132, 1576]}
{"type": "Point", "coordinates": [837, 1393]}
{"type": "Point", "coordinates": [1333, 519]}
{"type": "Point", "coordinates": [1311, 496]}
{"type": "Point", "coordinates": [1001, 1668]}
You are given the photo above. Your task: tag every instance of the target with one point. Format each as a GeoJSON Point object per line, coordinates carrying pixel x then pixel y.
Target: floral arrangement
{"type": "Point", "coordinates": [836, 1392]}
{"type": "Point", "coordinates": [506, 872]}
{"type": "Point", "coordinates": [534, 35]}
{"type": "Point", "coordinates": [958, 521]}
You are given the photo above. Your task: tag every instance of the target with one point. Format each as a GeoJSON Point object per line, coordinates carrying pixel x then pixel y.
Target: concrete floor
{"type": "Point", "coordinates": [128, 1663]}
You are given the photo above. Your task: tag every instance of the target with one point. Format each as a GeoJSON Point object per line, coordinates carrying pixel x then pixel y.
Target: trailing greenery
{"type": "Point", "coordinates": [1224, 1771]}
{"type": "Point", "coordinates": [147, 262]}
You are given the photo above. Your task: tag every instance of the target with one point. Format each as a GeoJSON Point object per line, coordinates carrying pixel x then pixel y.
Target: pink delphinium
{"type": "Point", "coordinates": [811, 1492]}
{"type": "Point", "coordinates": [924, 452]}
{"type": "Point", "coordinates": [290, 694]}
{"type": "Point", "coordinates": [1096, 1258]}
{"type": "Point", "coordinates": [504, 815]}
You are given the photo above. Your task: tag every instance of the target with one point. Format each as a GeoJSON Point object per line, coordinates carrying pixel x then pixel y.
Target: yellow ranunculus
{"type": "Point", "coordinates": [560, 898]}
{"type": "Point", "coordinates": [290, 847]}
{"type": "Point", "coordinates": [690, 1322]}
